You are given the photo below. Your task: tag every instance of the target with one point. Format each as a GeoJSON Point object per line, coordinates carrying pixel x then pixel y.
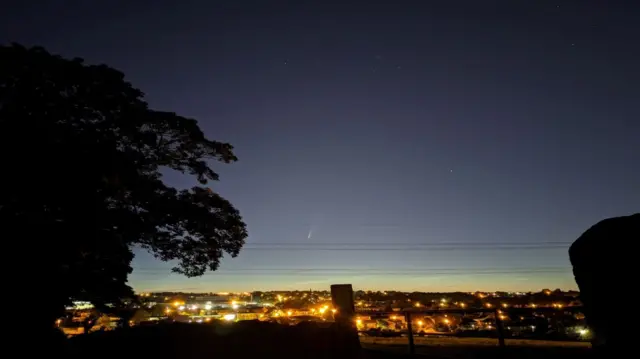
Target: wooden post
{"type": "Point", "coordinates": [499, 329]}
{"type": "Point", "coordinates": [412, 346]}
{"type": "Point", "coordinates": [342, 299]}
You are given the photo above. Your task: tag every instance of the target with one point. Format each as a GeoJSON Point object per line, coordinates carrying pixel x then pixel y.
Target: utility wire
{"type": "Point", "coordinates": [364, 272]}
{"type": "Point", "coordinates": [383, 269]}
{"type": "Point", "coordinates": [432, 244]}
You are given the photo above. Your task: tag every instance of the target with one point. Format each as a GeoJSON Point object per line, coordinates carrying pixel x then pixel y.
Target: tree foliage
{"type": "Point", "coordinates": [82, 159]}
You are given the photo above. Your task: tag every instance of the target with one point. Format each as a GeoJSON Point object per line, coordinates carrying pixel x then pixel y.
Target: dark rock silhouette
{"type": "Point", "coordinates": [601, 266]}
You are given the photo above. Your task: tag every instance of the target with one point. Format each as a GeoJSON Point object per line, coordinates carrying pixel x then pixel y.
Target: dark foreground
{"type": "Point", "coordinates": [482, 351]}
{"type": "Point", "coordinates": [269, 340]}
{"type": "Point", "coordinates": [246, 339]}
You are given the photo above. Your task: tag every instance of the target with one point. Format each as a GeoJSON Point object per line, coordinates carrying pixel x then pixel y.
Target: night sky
{"type": "Point", "coordinates": [442, 145]}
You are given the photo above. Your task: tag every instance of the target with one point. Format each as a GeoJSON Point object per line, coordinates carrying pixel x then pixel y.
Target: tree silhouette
{"type": "Point", "coordinates": [82, 162]}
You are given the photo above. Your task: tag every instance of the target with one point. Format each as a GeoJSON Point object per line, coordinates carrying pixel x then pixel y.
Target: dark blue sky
{"type": "Point", "coordinates": [399, 124]}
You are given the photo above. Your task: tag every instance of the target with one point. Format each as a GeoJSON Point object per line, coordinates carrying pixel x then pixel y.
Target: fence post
{"type": "Point", "coordinates": [412, 346]}
{"type": "Point", "coordinates": [342, 300]}
{"type": "Point", "coordinates": [499, 329]}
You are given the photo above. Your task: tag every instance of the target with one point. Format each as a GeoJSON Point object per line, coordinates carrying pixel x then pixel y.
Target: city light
{"type": "Point", "coordinates": [497, 307]}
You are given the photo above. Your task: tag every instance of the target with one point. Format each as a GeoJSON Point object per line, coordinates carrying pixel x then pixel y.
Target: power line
{"type": "Point", "coordinates": [377, 272]}
{"type": "Point", "coordinates": [406, 248]}
{"type": "Point", "coordinates": [432, 244]}
{"type": "Point", "coordinates": [383, 269]}
{"type": "Point", "coordinates": [404, 274]}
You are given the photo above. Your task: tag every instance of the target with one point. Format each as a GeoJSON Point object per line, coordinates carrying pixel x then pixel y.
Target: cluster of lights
{"type": "Point", "coordinates": [323, 309]}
